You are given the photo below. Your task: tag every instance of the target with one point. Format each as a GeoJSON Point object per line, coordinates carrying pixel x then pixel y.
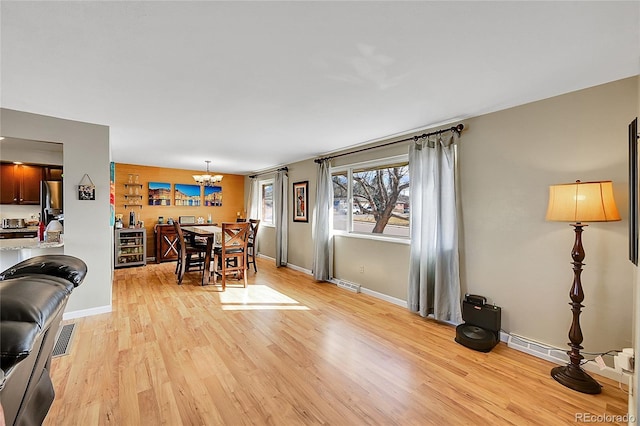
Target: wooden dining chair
{"type": "Point", "coordinates": [251, 243]}
{"type": "Point", "coordinates": [232, 255]}
{"type": "Point", "coordinates": [186, 251]}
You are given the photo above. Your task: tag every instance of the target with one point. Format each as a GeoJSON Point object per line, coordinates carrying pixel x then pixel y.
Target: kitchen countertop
{"type": "Point", "coordinates": [26, 243]}
{"type": "Point", "coordinates": [16, 230]}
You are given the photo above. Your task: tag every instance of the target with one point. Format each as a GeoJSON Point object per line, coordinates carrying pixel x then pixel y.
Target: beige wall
{"type": "Point", "coordinates": [509, 252]}
{"type": "Point", "coordinates": [88, 233]}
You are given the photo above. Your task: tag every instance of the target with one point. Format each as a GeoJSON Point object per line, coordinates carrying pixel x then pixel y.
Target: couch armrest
{"type": "Point", "coordinates": [62, 266]}
{"type": "Point", "coordinates": [27, 306]}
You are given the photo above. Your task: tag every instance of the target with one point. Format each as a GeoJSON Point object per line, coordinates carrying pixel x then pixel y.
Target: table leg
{"type": "Point", "coordinates": [206, 273]}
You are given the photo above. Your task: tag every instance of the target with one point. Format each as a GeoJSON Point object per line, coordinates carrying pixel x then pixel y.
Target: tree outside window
{"type": "Point", "coordinates": [379, 199]}
{"type": "Point", "coordinates": [266, 202]}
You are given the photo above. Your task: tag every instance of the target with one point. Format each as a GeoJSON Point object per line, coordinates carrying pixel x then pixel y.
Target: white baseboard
{"type": "Point", "coordinates": [558, 356]}
{"type": "Point", "coordinates": [264, 256]}
{"type": "Point", "coordinates": [87, 312]}
{"type": "Point", "coordinates": [300, 269]}
{"type": "Point", "coordinates": [384, 297]}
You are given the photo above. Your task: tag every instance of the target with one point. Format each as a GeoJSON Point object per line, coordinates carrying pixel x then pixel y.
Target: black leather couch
{"type": "Point", "coordinates": [33, 296]}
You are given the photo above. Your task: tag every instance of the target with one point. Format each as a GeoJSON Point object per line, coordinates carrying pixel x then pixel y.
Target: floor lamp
{"type": "Point", "coordinates": [579, 202]}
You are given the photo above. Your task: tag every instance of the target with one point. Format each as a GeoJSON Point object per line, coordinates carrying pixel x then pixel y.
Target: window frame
{"type": "Point", "coordinates": [349, 168]}
{"type": "Point", "coordinates": [261, 184]}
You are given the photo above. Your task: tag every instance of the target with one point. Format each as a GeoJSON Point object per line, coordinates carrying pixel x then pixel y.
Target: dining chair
{"type": "Point", "coordinates": [232, 255]}
{"type": "Point", "coordinates": [186, 252]}
{"type": "Point", "coordinates": [251, 243]}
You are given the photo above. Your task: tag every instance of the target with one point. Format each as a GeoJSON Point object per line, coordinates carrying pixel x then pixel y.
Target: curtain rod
{"type": "Point", "coordinates": [281, 169]}
{"type": "Point", "coordinates": [456, 129]}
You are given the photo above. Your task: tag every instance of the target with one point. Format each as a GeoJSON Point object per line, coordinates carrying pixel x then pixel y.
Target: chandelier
{"type": "Point", "coordinates": [207, 180]}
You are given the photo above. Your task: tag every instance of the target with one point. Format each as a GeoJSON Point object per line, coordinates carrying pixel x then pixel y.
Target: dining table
{"type": "Point", "coordinates": [213, 235]}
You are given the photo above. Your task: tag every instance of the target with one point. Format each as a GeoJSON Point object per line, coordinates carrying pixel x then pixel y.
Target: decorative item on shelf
{"type": "Point", "coordinates": [86, 188]}
{"type": "Point", "coordinates": [207, 179]}
{"type": "Point", "coordinates": [118, 223]}
{"type": "Point", "coordinates": [579, 202]}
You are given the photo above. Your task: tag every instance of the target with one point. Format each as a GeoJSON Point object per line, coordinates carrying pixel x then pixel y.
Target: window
{"type": "Point", "coordinates": [266, 202]}
{"type": "Point", "coordinates": [372, 198]}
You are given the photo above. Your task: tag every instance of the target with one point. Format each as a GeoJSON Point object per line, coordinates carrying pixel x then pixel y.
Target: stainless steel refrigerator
{"type": "Point", "coordinates": [51, 200]}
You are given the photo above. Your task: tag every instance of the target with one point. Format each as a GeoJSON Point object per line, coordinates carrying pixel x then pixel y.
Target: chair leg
{"type": "Point", "coordinates": [244, 275]}
{"type": "Point", "coordinates": [180, 267]}
{"type": "Point", "coordinates": [224, 275]}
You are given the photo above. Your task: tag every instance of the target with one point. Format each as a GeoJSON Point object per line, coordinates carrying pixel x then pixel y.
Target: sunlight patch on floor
{"type": "Point", "coordinates": [257, 297]}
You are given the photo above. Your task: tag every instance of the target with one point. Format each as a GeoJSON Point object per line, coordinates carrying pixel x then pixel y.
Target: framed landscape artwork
{"type": "Point", "coordinates": [301, 201]}
{"type": "Point", "coordinates": [213, 196]}
{"type": "Point", "coordinates": [159, 194]}
{"type": "Point", "coordinates": [186, 195]}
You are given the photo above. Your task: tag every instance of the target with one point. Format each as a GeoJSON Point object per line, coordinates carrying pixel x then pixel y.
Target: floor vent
{"type": "Point", "coordinates": [537, 349]}
{"type": "Point", "coordinates": [63, 343]}
{"type": "Point", "coordinates": [348, 285]}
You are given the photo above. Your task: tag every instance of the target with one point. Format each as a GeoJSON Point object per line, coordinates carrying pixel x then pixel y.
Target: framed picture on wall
{"type": "Point", "coordinates": [213, 196]}
{"type": "Point", "coordinates": [159, 194]}
{"type": "Point", "coordinates": [186, 195]}
{"type": "Point", "coordinates": [301, 201]}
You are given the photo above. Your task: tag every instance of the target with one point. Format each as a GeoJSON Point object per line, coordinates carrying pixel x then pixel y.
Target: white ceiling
{"type": "Point", "coordinates": [254, 85]}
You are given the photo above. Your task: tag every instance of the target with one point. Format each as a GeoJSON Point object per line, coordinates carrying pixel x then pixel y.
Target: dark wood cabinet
{"type": "Point", "coordinates": [20, 183]}
{"type": "Point", "coordinates": [166, 243]}
{"type": "Point", "coordinates": [52, 173]}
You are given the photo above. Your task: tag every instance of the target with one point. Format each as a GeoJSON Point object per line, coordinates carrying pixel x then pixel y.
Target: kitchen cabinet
{"type": "Point", "coordinates": [52, 173]}
{"type": "Point", "coordinates": [130, 247]}
{"type": "Point", "coordinates": [20, 183]}
{"type": "Point", "coordinates": [166, 243]}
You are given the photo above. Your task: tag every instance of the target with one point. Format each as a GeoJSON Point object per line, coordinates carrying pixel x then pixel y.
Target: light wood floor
{"type": "Point", "coordinates": [290, 351]}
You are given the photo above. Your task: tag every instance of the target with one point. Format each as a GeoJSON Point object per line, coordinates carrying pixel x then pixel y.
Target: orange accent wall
{"type": "Point", "coordinates": [232, 198]}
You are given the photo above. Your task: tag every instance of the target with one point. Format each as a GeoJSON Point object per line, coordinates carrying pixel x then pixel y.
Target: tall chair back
{"type": "Point", "coordinates": [182, 255]}
{"type": "Point", "coordinates": [185, 253]}
{"type": "Point", "coordinates": [252, 243]}
{"type": "Point", "coordinates": [233, 252]}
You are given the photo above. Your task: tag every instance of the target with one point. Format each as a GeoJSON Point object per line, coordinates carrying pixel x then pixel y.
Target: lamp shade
{"type": "Point", "coordinates": [582, 202]}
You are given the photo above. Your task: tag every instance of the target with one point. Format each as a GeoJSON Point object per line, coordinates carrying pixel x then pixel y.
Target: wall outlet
{"type": "Point", "coordinates": [362, 269]}
{"type": "Point", "coordinates": [623, 362]}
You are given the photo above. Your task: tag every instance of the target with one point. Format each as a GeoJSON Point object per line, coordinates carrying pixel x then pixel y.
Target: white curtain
{"type": "Point", "coordinates": [281, 216]}
{"type": "Point", "coordinates": [322, 215]}
{"type": "Point", "coordinates": [253, 201]}
{"type": "Point", "coordinates": [434, 273]}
